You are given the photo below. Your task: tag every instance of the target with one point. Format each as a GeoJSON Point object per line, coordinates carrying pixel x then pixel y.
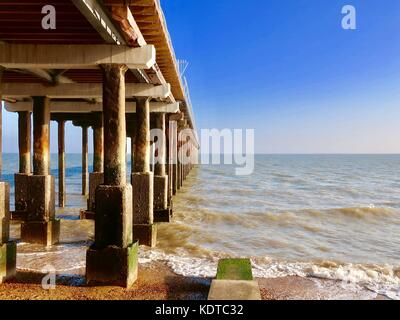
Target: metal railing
{"type": "Point", "coordinates": [183, 79]}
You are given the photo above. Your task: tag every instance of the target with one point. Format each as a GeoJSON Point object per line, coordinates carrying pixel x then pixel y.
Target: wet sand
{"type": "Point", "coordinates": [157, 282]}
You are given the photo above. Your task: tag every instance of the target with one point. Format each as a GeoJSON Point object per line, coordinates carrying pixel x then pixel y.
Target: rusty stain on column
{"type": "Point", "coordinates": [142, 145]}
{"type": "Point", "coordinates": [114, 124]}
{"type": "Point", "coordinates": [85, 159]}
{"type": "Point", "coordinates": [159, 166]}
{"type": "Point", "coordinates": [98, 143]}
{"type": "Point", "coordinates": [41, 136]}
{"type": "Point", "coordinates": [24, 141]}
{"type": "Point", "coordinates": [61, 164]}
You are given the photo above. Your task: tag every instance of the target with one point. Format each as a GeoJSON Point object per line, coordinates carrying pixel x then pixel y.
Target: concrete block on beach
{"type": "Point", "coordinates": [231, 290]}
{"type": "Point", "coordinates": [112, 266]}
{"type": "Point", "coordinates": [234, 269]}
{"type": "Point", "coordinates": [234, 281]}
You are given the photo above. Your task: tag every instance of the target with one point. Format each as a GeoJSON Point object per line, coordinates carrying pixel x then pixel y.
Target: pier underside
{"type": "Point", "coordinates": [102, 70]}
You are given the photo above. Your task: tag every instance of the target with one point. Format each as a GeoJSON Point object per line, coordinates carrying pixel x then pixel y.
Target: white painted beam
{"type": "Point", "coordinates": [27, 56]}
{"type": "Point", "coordinates": [85, 107]}
{"type": "Point", "coordinates": [98, 18]}
{"type": "Point", "coordinates": [81, 90]}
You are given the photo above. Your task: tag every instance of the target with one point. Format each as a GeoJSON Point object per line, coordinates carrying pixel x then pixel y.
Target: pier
{"type": "Point", "coordinates": [108, 66]}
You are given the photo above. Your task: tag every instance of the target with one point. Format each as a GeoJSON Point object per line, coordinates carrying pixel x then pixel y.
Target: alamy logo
{"type": "Point", "coordinates": [228, 147]}
{"type": "Point", "coordinates": [49, 20]}
{"type": "Point", "coordinates": [349, 21]}
{"type": "Point", "coordinates": [49, 280]}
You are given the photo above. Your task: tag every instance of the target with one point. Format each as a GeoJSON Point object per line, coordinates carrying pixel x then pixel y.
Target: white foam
{"type": "Point", "coordinates": [58, 271]}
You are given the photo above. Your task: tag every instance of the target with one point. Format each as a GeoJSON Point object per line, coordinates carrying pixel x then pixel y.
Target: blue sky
{"type": "Point", "coordinates": [287, 69]}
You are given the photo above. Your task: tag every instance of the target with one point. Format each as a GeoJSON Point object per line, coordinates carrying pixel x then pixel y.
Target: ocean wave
{"type": "Point", "coordinates": [364, 212]}
{"type": "Point", "coordinates": [292, 215]}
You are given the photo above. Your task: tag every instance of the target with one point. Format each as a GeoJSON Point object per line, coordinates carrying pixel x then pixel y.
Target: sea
{"type": "Point", "coordinates": [333, 217]}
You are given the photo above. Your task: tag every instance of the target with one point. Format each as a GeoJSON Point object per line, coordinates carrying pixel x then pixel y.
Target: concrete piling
{"type": "Point", "coordinates": [21, 178]}
{"type": "Point", "coordinates": [96, 177]}
{"type": "Point", "coordinates": [169, 165]}
{"type": "Point", "coordinates": [40, 225]}
{"type": "Point", "coordinates": [173, 153]}
{"type": "Point", "coordinates": [85, 160]}
{"type": "Point", "coordinates": [98, 142]}
{"type": "Point", "coordinates": [8, 249]}
{"type": "Point", "coordinates": [24, 141]}
{"type": "Point", "coordinates": [112, 259]}
{"type": "Point", "coordinates": [61, 164]}
{"type": "Point", "coordinates": [160, 201]}
{"type": "Point", "coordinates": [142, 179]}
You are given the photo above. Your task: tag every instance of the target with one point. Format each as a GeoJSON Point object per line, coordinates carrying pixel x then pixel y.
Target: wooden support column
{"type": "Point", "coordinates": [24, 141]}
{"type": "Point", "coordinates": [61, 164]}
{"type": "Point", "coordinates": [85, 159]}
{"type": "Point", "coordinates": [113, 216]}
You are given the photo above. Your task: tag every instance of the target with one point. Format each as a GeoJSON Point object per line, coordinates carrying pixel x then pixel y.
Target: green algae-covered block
{"type": "Point", "coordinates": [234, 269]}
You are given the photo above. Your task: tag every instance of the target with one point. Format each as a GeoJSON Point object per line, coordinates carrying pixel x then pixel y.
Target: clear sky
{"type": "Point", "coordinates": [287, 69]}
